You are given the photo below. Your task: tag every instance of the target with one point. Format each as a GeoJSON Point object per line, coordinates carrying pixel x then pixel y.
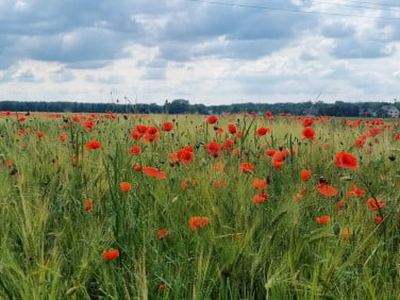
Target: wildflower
{"type": "Point", "coordinates": [153, 172]}
{"type": "Point", "coordinates": [246, 168]}
{"type": "Point", "coordinates": [167, 126]}
{"type": "Point", "coordinates": [125, 186]}
{"type": "Point", "coordinates": [323, 219]}
{"type": "Point", "coordinates": [262, 131]}
{"type": "Point", "coordinates": [378, 219]}
{"type": "Point", "coordinates": [213, 148]}
{"type": "Point", "coordinates": [137, 167]}
{"type": "Point", "coordinates": [355, 192]}
{"type": "Point", "coordinates": [308, 133]}
{"type": "Point", "coordinates": [227, 145]}
{"type": "Point", "coordinates": [326, 189]}
{"type": "Point", "coordinates": [161, 234]}
{"type": "Point", "coordinates": [40, 134]}
{"type": "Point", "coordinates": [340, 205]}
{"type": "Point", "coordinates": [232, 128]}
{"type": "Point", "coordinates": [219, 183]}
{"type": "Point", "coordinates": [260, 197]}
{"type": "Point", "coordinates": [93, 145]}
{"type": "Point", "coordinates": [62, 137]}
{"type": "Point", "coordinates": [346, 160]}
{"type": "Point", "coordinates": [305, 175]}
{"type": "Point", "coordinates": [135, 150]}
{"type": "Point", "coordinates": [185, 155]}
{"type": "Point", "coordinates": [374, 204]}
{"type": "Point", "coordinates": [162, 286]}
{"type": "Point", "coordinates": [197, 222]}
{"type": "Point", "coordinates": [112, 254]}
{"type": "Point", "coordinates": [212, 120]}
{"type": "Point", "coordinates": [307, 122]}
{"type": "Point", "coordinates": [87, 125]}
{"type": "Point", "coordinates": [88, 205]}
{"type": "Point", "coordinates": [259, 184]}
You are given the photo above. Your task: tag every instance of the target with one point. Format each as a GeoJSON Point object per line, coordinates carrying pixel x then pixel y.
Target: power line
{"type": "Point", "coordinates": [290, 10]}
{"type": "Point", "coordinates": [386, 8]}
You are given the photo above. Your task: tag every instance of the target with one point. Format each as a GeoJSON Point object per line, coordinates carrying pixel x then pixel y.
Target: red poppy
{"type": "Point", "coordinates": [262, 131]}
{"type": "Point", "coordinates": [185, 156]}
{"type": "Point", "coordinates": [270, 152]}
{"type": "Point", "coordinates": [374, 204]}
{"type": "Point", "coordinates": [219, 183]}
{"type": "Point", "coordinates": [88, 205]}
{"type": "Point", "coordinates": [125, 186]}
{"type": "Point", "coordinates": [355, 192]}
{"type": "Point", "coordinates": [212, 120]}
{"type": "Point", "coordinates": [137, 167]}
{"type": "Point", "coordinates": [93, 145]}
{"type": "Point", "coordinates": [149, 138]}
{"type": "Point", "coordinates": [141, 129]}
{"type": "Point", "coordinates": [259, 184]}
{"type": "Point", "coordinates": [167, 126]}
{"type": "Point", "coordinates": [323, 219]}
{"type": "Point", "coordinates": [40, 134]}
{"type": "Point", "coordinates": [305, 175]}
{"type": "Point", "coordinates": [213, 148]}
{"type": "Point", "coordinates": [62, 137]}
{"type": "Point", "coordinates": [326, 189]}
{"type": "Point", "coordinates": [197, 222]}
{"type": "Point", "coordinates": [346, 160]}
{"type": "Point", "coordinates": [162, 286]}
{"type": "Point", "coordinates": [87, 125]}
{"type": "Point", "coordinates": [135, 150]}
{"type": "Point", "coordinates": [232, 129]}
{"type": "Point", "coordinates": [161, 234]}
{"type": "Point", "coordinates": [112, 254]}
{"type": "Point", "coordinates": [227, 145]}
{"type": "Point", "coordinates": [308, 133]}
{"type": "Point", "coordinates": [246, 168]}
{"type": "Point", "coordinates": [153, 172]}
{"type": "Point", "coordinates": [308, 122]}
{"type": "Point", "coordinates": [152, 130]}
{"type": "Point", "coordinates": [378, 219]}
{"type": "Point", "coordinates": [260, 197]}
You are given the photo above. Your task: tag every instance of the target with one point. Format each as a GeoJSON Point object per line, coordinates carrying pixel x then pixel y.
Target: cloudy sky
{"type": "Point", "coordinates": [211, 52]}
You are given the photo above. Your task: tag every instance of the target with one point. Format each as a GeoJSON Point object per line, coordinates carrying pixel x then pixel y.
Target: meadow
{"type": "Point", "coordinates": [244, 206]}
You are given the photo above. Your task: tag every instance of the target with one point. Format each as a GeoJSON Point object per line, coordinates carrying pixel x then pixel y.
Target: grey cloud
{"type": "Point", "coordinates": [337, 30]}
{"type": "Point", "coordinates": [62, 75]}
{"type": "Point", "coordinates": [28, 76]}
{"type": "Point", "coordinates": [110, 79]}
{"type": "Point", "coordinates": [351, 48]}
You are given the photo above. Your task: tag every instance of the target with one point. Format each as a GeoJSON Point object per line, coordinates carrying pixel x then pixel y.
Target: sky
{"type": "Point", "coordinates": [210, 52]}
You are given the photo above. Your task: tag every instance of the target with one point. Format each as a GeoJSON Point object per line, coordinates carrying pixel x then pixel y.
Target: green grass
{"type": "Point", "coordinates": [52, 247]}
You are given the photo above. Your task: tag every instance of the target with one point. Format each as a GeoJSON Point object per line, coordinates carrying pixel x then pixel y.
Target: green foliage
{"type": "Point", "coordinates": [53, 245]}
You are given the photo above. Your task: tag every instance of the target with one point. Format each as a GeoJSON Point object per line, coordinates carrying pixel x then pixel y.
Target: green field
{"type": "Point", "coordinates": [178, 207]}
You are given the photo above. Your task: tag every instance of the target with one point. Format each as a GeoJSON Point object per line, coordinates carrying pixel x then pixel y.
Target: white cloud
{"type": "Point", "coordinates": [207, 53]}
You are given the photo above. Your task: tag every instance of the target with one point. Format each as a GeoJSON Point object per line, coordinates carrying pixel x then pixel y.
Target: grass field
{"type": "Point", "coordinates": [194, 207]}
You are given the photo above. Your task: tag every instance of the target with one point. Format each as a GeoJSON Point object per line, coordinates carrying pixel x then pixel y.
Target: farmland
{"type": "Point", "coordinates": [106, 206]}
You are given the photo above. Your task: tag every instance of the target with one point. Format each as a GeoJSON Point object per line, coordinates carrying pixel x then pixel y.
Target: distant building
{"type": "Point", "coordinates": [391, 110]}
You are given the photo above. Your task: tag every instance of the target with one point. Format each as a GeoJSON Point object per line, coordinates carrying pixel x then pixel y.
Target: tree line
{"type": "Point", "coordinates": [183, 106]}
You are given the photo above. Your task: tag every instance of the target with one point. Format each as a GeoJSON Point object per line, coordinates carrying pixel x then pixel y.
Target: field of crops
{"type": "Point", "coordinates": [198, 207]}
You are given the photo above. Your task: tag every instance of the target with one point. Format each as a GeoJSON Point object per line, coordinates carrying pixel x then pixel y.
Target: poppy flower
{"type": "Point", "coordinates": [232, 128]}
{"type": "Point", "coordinates": [307, 122]}
{"type": "Point", "coordinates": [162, 286]}
{"type": "Point", "coordinates": [355, 192]}
{"type": "Point", "coordinates": [167, 126]}
{"type": "Point", "coordinates": [374, 204]}
{"type": "Point", "coordinates": [346, 160]}
{"type": "Point", "coordinates": [246, 168]}
{"type": "Point", "coordinates": [260, 197]}
{"type": "Point", "coordinates": [197, 222]}
{"type": "Point", "coordinates": [227, 145]}
{"type": "Point", "coordinates": [219, 183]}
{"type": "Point", "coordinates": [323, 219]}
{"type": "Point", "coordinates": [161, 234]}
{"type": "Point", "coordinates": [305, 175]}
{"type": "Point", "coordinates": [308, 133]}
{"type": "Point", "coordinates": [326, 189]}
{"type": "Point", "coordinates": [141, 129]}
{"type": "Point", "coordinates": [378, 219]}
{"type": "Point", "coordinates": [125, 186]}
{"type": "Point", "coordinates": [212, 120]}
{"type": "Point", "coordinates": [262, 131]}
{"type": "Point", "coordinates": [149, 138]}
{"type": "Point", "coordinates": [87, 125]}
{"type": "Point", "coordinates": [93, 145]}
{"type": "Point", "coordinates": [112, 254]}
{"type": "Point", "coordinates": [135, 150]}
{"type": "Point", "coordinates": [137, 167]}
{"type": "Point", "coordinates": [213, 148]}
{"type": "Point", "coordinates": [40, 134]}
{"type": "Point", "coordinates": [88, 205]}
{"type": "Point", "coordinates": [185, 156]}
{"type": "Point", "coordinates": [259, 184]}
{"type": "Point", "coordinates": [270, 152]}
{"type": "Point", "coordinates": [153, 172]}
